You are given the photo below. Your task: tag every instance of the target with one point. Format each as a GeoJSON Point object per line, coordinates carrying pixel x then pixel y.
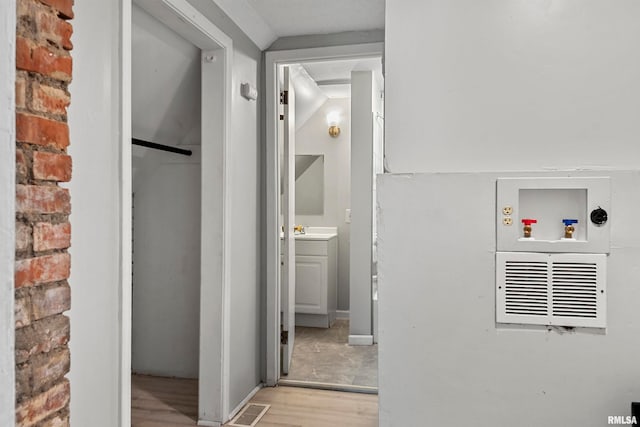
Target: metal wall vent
{"type": "Point", "coordinates": [551, 289]}
{"type": "Point", "coordinates": [249, 415]}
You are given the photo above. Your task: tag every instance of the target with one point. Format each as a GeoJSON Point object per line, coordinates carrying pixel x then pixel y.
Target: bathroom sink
{"type": "Point", "coordinates": [317, 233]}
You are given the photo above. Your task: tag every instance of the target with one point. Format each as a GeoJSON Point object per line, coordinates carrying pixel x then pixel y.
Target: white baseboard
{"type": "Point", "coordinates": [314, 320]}
{"type": "Point", "coordinates": [342, 314]}
{"type": "Point", "coordinates": [360, 339]}
{"type": "Point", "coordinates": [245, 401]}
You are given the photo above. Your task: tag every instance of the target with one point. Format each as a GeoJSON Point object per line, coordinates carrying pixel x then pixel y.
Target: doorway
{"type": "Point", "coordinates": [166, 205]}
{"type": "Point", "coordinates": [180, 277]}
{"type": "Point", "coordinates": [323, 350]}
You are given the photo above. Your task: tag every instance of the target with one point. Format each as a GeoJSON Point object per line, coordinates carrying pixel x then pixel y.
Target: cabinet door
{"type": "Point", "coordinates": [311, 284]}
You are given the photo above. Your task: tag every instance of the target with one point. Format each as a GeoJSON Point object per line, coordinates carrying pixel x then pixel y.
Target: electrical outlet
{"type": "Point", "coordinates": [507, 210]}
{"type": "Point", "coordinates": [507, 220]}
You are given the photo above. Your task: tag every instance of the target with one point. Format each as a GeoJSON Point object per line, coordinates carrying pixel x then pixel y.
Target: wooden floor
{"type": "Point", "coordinates": [163, 402]}
{"type": "Point", "coordinates": [169, 402]}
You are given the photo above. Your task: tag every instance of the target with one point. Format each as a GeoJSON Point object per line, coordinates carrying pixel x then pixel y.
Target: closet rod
{"type": "Point", "coordinates": [155, 146]}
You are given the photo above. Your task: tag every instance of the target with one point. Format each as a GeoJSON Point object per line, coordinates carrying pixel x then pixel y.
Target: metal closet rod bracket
{"type": "Point", "coordinates": [161, 147]}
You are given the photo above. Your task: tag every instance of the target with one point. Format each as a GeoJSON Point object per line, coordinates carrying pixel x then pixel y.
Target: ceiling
{"type": "Point", "coordinates": [299, 17]}
{"type": "Point", "coordinates": [334, 77]}
{"type": "Point", "coordinates": [266, 20]}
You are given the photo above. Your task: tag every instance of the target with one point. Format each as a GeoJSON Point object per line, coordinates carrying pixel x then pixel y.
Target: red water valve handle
{"type": "Point", "coordinates": [527, 221]}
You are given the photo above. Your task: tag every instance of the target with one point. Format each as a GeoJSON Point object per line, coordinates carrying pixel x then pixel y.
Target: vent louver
{"type": "Point", "coordinates": [526, 288]}
{"type": "Point", "coordinates": [575, 289]}
{"type": "Point", "coordinates": [249, 415]}
{"type": "Point", "coordinates": [551, 289]}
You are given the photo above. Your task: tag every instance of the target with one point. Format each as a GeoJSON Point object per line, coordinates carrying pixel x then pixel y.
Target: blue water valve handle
{"type": "Point", "coordinates": [568, 222]}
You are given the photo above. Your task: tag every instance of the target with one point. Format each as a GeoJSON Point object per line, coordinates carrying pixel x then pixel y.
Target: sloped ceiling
{"type": "Point", "coordinates": [266, 20]}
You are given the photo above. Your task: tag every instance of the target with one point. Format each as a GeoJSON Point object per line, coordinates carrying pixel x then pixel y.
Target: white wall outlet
{"type": "Point", "coordinates": [507, 220]}
{"type": "Point", "coordinates": [507, 210]}
{"type": "Point", "coordinates": [347, 216]}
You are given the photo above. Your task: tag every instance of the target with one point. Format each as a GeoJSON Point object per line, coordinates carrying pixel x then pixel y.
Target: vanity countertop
{"type": "Point", "coordinates": [317, 233]}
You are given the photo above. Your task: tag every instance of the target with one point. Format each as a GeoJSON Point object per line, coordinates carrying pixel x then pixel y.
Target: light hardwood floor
{"type": "Point", "coordinates": [163, 402]}
{"type": "Point", "coordinates": [170, 402]}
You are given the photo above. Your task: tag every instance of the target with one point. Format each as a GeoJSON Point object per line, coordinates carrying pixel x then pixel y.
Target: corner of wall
{"type": "Point", "coordinates": [43, 232]}
{"type": "Point", "coordinates": [7, 213]}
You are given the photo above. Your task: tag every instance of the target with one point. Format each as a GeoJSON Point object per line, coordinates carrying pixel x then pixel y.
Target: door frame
{"type": "Point", "coordinates": [215, 335]}
{"type": "Point", "coordinates": [7, 212]}
{"type": "Point", "coordinates": [272, 60]}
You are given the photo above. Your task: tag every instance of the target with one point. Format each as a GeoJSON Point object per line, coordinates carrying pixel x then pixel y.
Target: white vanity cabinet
{"type": "Point", "coordinates": [316, 279]}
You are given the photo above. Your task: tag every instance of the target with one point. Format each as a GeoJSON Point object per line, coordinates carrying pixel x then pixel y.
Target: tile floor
{"type": "Point", "coordinates": [324, 355]}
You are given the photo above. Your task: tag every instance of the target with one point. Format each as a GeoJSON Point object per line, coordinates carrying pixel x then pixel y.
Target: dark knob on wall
{"type": "Point", "coordinates": [599, 216]}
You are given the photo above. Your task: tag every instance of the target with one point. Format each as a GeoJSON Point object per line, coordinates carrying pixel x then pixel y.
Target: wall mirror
{"type": "Point", "coordinates": [309, 184]}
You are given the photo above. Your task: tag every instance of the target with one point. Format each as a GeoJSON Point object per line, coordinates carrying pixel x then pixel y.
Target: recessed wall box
{"type": "Point", "coordinates": [551, 200]}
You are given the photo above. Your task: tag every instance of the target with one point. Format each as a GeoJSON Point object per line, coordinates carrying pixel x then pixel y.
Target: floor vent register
{"type": "Point", "coordinates": [249, 415]}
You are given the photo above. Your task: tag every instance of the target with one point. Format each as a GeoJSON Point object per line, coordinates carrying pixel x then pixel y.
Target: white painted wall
{"type": "Point", "coordinates": [313, 138]}
{"type": "Point", "coordinates": [166, 239]}
{"type": "Point", "coordinates": [440, 350]}
{"type": "Point", "coordinates": [166, 265]}
{"type": "Point", "coordinates": [362, 108]}
{"type": "Point", "coordinates": [98, 124]}
{"type": "Point", "coordinates": [245, 217]}
{"type": "Point", "coordinates": [7, 212]}
{"type": "Point", "coordinates": [245, 214]}
{"type": "Point", "coordinates": [502, 86]}
{"type": "Point", "coordinates": [165, 90]}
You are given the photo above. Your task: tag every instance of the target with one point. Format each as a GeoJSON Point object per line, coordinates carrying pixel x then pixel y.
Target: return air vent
{"type": "Point", "coordinates": [551, 289]}
{"type": "Point", "coordinates": [249, 415]}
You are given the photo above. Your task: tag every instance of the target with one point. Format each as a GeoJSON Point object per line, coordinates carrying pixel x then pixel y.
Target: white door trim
{"type": "Point", "coordinates": [272, 60]}
{"type": "Point", "coordinates": [7, 212]}
{"type": "Point", "coordinates": [217, 49]}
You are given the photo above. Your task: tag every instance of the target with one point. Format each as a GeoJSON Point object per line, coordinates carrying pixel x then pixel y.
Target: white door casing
{"type": "Point", "coordinates": [273, 60]}
{"type": "Point", "coordinates": [288, 288]}
{"type": "Point", "coordinates": [217, 54]}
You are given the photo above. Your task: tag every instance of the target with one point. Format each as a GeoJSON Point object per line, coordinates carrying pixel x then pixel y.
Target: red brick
{"type": "Point", "coordinates": [22, 310]}
{"type": "Point", "coordinates": [64, 7]}
{"type": "Point", "coordinates": [44, 269]}
{"type": "Point", "coordinates": [53, 29]}
{"type": "Point", "coordinates": [21, 92]}
{"type": "Point", "coordinates": [22, 169]}
{"type": "Point", "coordinates": [41, 131]}
{"type": "Point", "coordinates": [47, 99]}
{"type": "Point", "coordinates": [48, 368]}
{"type": "Point", "coordinates": [48, 301]}
{"type": "Point", "coordinates": [47, 236]}
{"type": "Point", "coordinates": [51, 166]}
{"type": "Point", "coordinates": [39, 407]}
{"type": "Point", "coordinates": [23, 237]}
{"type": "Point", "coordinates": [42, 199]}
{"type": "Point", "coordinates": [41, 337]}
{"type": "Point", "coordinates": [41, 59]}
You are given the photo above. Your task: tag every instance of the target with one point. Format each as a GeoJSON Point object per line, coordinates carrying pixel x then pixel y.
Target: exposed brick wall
{"type": "Point", "coordinates": [43, 62]}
